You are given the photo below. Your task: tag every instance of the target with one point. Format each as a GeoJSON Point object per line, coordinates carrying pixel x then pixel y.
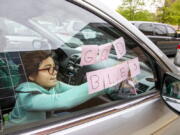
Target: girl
{"type": "Point", "coordinates": [43, 92]}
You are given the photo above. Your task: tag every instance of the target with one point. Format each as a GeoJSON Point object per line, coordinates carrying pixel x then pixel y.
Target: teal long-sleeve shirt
{"type": "Point", "coordinates": [33, 107]}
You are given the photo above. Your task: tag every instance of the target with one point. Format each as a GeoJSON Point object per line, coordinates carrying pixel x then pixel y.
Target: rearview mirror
{"type": "Point", "coordinates": [171, 91]}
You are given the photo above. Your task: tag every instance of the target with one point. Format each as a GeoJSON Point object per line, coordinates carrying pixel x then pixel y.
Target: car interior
{"type": "Point", "coordinates": [67, 56]}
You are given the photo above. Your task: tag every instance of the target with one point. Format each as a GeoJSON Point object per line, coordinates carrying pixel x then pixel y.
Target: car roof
{"type": "Point", "coordinates": [140, 22]}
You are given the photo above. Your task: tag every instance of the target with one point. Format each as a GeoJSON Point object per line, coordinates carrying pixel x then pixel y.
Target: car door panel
{"type": "Point", "coordinates": [153, 116]}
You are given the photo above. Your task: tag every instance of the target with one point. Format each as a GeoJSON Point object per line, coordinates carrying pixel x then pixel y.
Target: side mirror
{"type": "Point", "coordinates": [170, 91]}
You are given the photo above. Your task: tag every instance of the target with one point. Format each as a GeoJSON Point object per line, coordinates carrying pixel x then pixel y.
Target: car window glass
{"type": "Point", "coordinates": [160, 30]}
{"type": "Point", "coordinates": [146, 28]}
{"type": "Point", "coordinates": [171, 31]}
{"type": "Point", "coordinates": [20, 37]}
{"type": "Point", "coordinates": [77, 28]}
{"type": "Point", "coordinates": [16, 29]}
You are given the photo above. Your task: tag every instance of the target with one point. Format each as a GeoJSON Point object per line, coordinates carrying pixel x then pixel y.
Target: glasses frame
{"type": "Point", "coordinates": [55, 68]}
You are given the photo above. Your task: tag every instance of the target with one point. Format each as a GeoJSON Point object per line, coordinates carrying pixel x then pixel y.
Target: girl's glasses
{"type": "Point", "coordinates": [50, 69]}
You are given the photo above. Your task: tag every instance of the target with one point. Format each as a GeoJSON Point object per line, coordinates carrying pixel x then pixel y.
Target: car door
{"type": "Point", "coordinates": [174, 39]}
{"type": "Point", "coordinates": [162, 39]}
{"type": "Point", "coordinates": [121, 111]}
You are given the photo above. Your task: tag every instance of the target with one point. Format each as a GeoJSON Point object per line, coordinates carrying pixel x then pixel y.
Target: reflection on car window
{"type": "Point", "coordinates": [146, 28]}
{"type": "Point", "coordinates": [160, 30]}
{"type": "Point", "coordinates": [13, 28]}
{"type": "Point", "coordinates": [20, 37]}
{"type": "Point", "coordinates": [52, 83]}
{"type": "Point", "coordinates": [171, 31]}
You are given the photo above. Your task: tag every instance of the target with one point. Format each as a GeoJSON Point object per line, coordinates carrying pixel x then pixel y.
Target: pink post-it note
{"type": "Point", "coordinates": [104, 51]}
{"type": "Point", "coordinates": [89, 54]}
{"type": "Point", "coordinates": [95, 81]}
{"type": "Point", "coordinates": [120, 48]}
{"type": "Point", "coordinates": [134, 66]}
{"type": "Point", "coordinates": [123, 70]}
{"type": "Point", "coordinates": [109, 77]}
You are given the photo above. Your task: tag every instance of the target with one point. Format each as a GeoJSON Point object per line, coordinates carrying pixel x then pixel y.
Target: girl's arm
{"type": "Point", "coordinates": [62, 87]}
{"type": "Point", "coordinates": [66, 100]}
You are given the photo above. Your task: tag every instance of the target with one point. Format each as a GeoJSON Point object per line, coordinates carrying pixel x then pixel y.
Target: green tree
{"type": "Point", "coordinates": [141, 15]}
{"type": "Point", "coordinates": [144, 15]}
{"type": "Point", "coordinates": [170, 12]}
{"type": "Point", "coordinates": [130, 7]}
{"type": "Point", "coordinates": [132, 10]}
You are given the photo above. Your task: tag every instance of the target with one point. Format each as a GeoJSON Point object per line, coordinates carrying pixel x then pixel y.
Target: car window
{"type": "Point", "coordinates": [160, 30]}
{"type": "Point", "coordinates": [16, 29]}
{"type": "Point", "coordinates": [146, 28]}
{"type": "Point", "coordinates": [171, 31]}
{"type": "Point", "coordinates": [65, 90]}
{"type": "Point", "coordinates": [20, 37]}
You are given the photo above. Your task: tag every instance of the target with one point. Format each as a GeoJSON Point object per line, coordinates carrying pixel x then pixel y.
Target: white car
{"type": "Point", "coordinates": [120, 112]}
{"type": "Point", "coordinates": [18, 36]}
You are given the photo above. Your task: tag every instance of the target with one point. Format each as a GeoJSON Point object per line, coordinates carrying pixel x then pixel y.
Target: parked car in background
{"type": "Point", "coordinates": [177, 57]}
{"type": "Point", "coordinates": [19, 36]}
{"type": "Point", "coordinates": [163, 35]}
{"type": "Point", "coordinates": [141, 111]}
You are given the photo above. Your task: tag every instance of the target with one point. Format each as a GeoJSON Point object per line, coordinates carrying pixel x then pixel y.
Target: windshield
{"type": "Point", "coordinates": [53, 23]}
{"type": "Point", "coordinates": [70, 27]}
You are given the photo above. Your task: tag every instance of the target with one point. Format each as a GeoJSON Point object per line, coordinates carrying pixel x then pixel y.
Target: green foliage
{"type": "Point", "coordinates": [170, 12]}
{"type": "Point", "coordinates": [141, 15]}
{"type": "Point", "coordinates": [144, 15]}
{"type": "Point", "coordinates": [130, 7]}
{"type": "Point", "coordinates": [131, 10]}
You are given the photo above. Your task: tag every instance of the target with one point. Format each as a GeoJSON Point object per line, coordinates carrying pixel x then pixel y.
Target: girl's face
{"type": "Point", "coordinates": [47, 74]}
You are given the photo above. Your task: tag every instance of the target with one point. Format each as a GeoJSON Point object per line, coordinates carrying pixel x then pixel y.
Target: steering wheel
{"type": "Point", "coordinates": [70, 70]}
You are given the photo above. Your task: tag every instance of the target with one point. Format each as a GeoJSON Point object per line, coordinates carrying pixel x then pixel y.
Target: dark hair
{"type": "Point", "coordinates": [32, 60]}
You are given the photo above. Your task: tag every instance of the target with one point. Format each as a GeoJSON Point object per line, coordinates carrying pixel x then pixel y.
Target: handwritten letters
{"type": "Point", "coordinates": [108, 77]}
{"type": "Point", "coordinates": [89, 54]}
{"type": "Point", "coordinates": [134, 67]}
{"type": "Point", "coordinates": [92, 54]}
{"type": "Point", "coordinates": [104, 51]}
{"type": "Point", "coordinates": [120, 48]}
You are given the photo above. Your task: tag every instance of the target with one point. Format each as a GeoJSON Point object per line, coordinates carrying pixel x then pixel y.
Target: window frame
{"type": "Point", "coordinates": [117, 28]}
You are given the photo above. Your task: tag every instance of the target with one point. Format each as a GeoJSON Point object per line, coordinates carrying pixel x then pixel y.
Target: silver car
{"type": "Point", "coordinates": [163, 35]}
{"type": "Point", "coordinates": [120, 112]}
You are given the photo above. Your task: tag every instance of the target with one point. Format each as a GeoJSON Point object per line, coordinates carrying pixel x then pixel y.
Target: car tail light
{"type": "Point", "coordinates": [177, 57]}
{"type": "Point", "coordinates": [178, 46]}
